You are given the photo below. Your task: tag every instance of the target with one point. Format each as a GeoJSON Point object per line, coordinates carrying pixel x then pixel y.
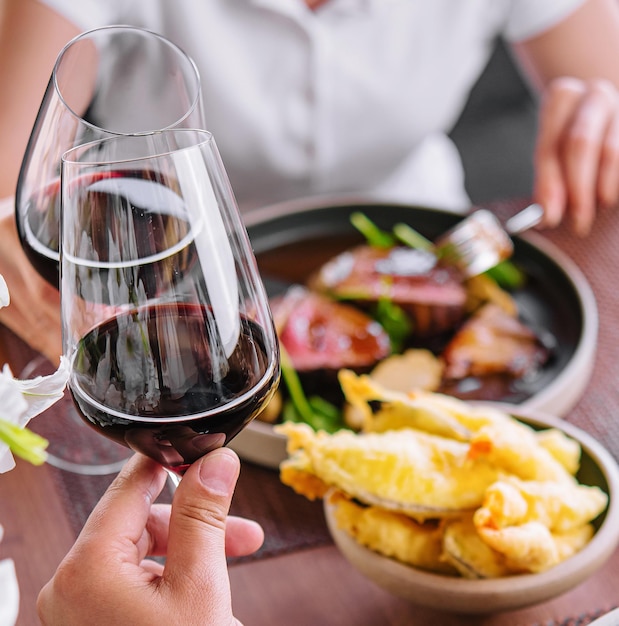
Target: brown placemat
{"type": "Point", "coordinates": [290, 522]}
{"type": "Point", "coordinates": [580, 620]}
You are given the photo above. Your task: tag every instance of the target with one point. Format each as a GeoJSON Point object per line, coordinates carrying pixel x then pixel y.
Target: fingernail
{"type": "Point", "coordinates": [218, 471]}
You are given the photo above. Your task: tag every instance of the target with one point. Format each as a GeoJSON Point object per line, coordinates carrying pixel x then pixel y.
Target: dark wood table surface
{"type": "Point", "coordinates": [301, 578]}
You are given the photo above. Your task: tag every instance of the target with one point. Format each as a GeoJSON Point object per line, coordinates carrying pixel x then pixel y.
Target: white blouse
{"type": "Point", "coordinates": [355, 97]}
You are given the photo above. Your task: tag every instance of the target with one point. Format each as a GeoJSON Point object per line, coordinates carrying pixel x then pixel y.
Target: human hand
{"type": "Point", "coordinates": [577, 152]}
{"type": "Point", "coordinates": [105, 578]}
{"type": "Point", "coordinates": [34, 311]}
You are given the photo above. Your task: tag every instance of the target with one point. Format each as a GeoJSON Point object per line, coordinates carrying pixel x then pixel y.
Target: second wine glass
{"type": "Point", "coordinates": [166, 322]}
{"type": "Point", "coordinates": [106, 82]}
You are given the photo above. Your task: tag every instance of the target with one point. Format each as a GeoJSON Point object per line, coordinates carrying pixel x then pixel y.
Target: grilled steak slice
{"type": "Point", "coordinates": [320, 333]}
{"type": "Point", "coordinates": [493, 342]}
{"type": "Point", "coordinates": [433, 295]}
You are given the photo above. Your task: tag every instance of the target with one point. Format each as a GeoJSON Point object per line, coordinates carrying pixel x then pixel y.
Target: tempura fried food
{"type": "Point", "coordinates": [406, 471]}
{"type": "Point", "coordinates": [516, 449]}
{"type": "Point", "coordinates": [561, 447]}
{"type": "Point", "coordinates": [469, 554]}
{"type": "Point", "coordinates": [560, 507]}
{"type": "Point", "coordinates": [445, 485]}
{"type": "Point", "coordinates": [531, 547]}
{"type": "Point", "coordinates": [382, 409]}
{"type": "Point", "coordinates": [392, 534]}
{"type": "Point", "coordinates": [535, 525]}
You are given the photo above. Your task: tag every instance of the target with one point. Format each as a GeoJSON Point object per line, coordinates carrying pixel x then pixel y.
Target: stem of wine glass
{"type": "Point", "coordinates": [174, 479]}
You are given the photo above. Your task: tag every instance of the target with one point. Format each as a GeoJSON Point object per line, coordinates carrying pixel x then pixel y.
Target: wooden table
{"type": "Point", "coordinates": [304, 580]}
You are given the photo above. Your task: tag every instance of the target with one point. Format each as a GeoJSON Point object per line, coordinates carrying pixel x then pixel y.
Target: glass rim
{"type": "Point", "coordinates": [124, 28]}
{"type": "Point", "coordinates": [68, 158]}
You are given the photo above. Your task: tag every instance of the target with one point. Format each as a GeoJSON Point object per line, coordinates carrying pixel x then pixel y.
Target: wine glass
{"type": "Point", "coordinates": [105, 82]}
{"type": "Point", "coordinates": [166, 322]}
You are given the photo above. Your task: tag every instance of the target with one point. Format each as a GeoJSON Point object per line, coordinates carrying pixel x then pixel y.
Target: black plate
{"type": "Point", "coordinates": [294, 239]}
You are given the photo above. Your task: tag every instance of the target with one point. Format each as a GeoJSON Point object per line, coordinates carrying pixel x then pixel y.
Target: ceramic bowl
{"type": "Point", "coordinates": [460, 595]}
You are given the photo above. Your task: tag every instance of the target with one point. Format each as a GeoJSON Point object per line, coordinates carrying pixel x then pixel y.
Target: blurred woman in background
{"type": "Point", "coordinates": [311, 97]}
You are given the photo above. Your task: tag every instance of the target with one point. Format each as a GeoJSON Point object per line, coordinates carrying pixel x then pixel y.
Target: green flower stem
{"type": "Point", "coordinates": [23, 442]}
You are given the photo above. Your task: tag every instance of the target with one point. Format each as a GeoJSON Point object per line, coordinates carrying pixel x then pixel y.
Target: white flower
{"type": "Point", "coordinates": [20, 401]}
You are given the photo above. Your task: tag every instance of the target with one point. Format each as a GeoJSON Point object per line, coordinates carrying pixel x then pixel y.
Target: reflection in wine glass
{"type": "Point", "coordinates": [73, 448]}
{"type": "Point", "coordinates": [106, 82]}
{"type": "Point", "coordinates": [166, 322]}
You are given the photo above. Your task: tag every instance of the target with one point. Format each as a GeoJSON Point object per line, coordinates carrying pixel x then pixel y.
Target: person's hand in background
{"type": "Point", "coordinates": [573, 64]}
{"type": "Point", "coordinates": [577, 153]}
{"type": "Point", "coordinates": [106, 577]}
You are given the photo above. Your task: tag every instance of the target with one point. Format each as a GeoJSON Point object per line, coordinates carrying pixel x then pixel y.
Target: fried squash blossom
{"type": "Point", "coordinates": [444, 485]}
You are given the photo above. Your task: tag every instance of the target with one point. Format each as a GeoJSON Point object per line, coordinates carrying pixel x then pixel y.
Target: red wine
{"type": "Point", "coordinates": [38, 228]}
{"type": "Point", "coordinates": [150, 380]}
{"type": "Point", "coordinates": [150, 197]}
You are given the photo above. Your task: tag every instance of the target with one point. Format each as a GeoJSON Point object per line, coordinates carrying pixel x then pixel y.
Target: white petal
{"type": "Point", "coordinates": [9, 593]}
{"type": "Point", "coordinates": [7, 462]}
{"type": "Point", "coordinates": [5, 299]}
{"type": "Point", "coordinates": [43, 391]}
{"type": "Point", "coordinates": [13, 405]}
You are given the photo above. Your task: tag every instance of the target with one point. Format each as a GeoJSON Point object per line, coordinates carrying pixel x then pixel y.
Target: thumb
{"type": "Point", "coordinates": [196, 543]}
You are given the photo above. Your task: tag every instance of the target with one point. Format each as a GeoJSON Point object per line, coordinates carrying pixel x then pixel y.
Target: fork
{"type": "Point", "coordinates": [481, 241]}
